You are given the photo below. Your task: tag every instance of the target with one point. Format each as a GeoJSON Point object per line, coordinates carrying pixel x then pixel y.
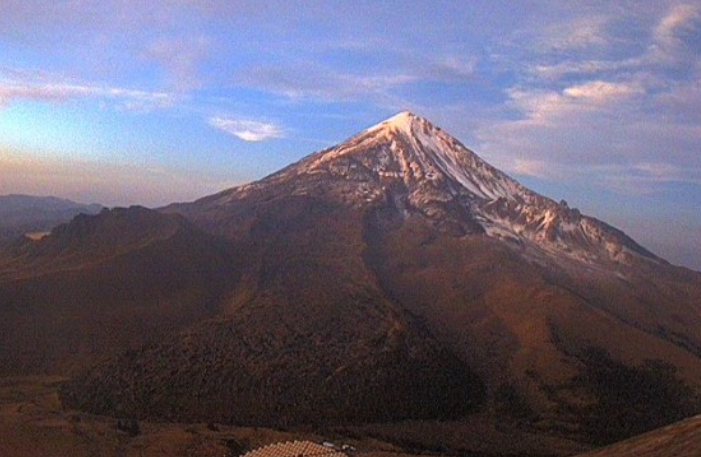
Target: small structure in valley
{"type": "Point", "coordinates": [297, 449]}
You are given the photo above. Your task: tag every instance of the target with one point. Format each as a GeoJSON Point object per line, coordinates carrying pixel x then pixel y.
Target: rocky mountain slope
{"type": "Point", "coordinates": [394, 276]}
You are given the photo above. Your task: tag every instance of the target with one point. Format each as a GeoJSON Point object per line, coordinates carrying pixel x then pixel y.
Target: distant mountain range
{"type": "Point", "coordinates": [394, 279]}
{"type": "Point", "coordinates": [22, 214]}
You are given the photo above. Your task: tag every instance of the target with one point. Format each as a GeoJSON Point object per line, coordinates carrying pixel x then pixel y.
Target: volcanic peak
{"type": "Point", "coordinates": [418, 169]}
{"type": "Point", "coordinates": [402, 122]}
{"type": "Point", "coordinates": [409, 148]}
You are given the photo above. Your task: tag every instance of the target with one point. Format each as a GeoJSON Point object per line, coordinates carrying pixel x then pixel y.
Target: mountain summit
{"type": "Point", "coordinates": [394, 277]}
{"type": "Point", "coordinates": [417, 169]}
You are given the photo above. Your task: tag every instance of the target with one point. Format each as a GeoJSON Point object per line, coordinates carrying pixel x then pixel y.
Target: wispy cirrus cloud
{"type": "Point", "coordinates": [298, 81]}
{"type": "Point", "coordinates": [312, 81]}
{"type": "Point", "coordinates": [645, 178]}
{"type": "Point", "coordinates": [180, 58]}
{"type": "Point", "coordinates": [548, 108]}
{"type": "Point", "coordinates": [606, 129]}
{"type": "Point", "coordinates": [580, 33]}
{"type": "Point", "coordinates": [621, 107]}
{"type": "Point", "coordinates": [667, 46]}
{"type": "Point", "coordinates": [247, 130]}
{"type": "Point", "coordinates": [671, 36]}
{"type": "Point", "coordinates": [57, 92]}
{"type": "Point", "coordinates": [667, 172]}
{"type": "Point", "coordinates": [681, 17]}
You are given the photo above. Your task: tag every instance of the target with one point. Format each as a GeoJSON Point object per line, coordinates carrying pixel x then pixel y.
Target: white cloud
{"type": "Point", "coordinates": [247, 130]}
{"type": "Point", "coordinates": [666, 45]}
{"type": "Point", "coordinates": [621, 112]}
{"type": "Point", "coordinates": [669, 47]}
{"type": "Point", "coordinates": [615, 131]}
{"type": "Point", "coordinates": [541, 107]}
{"type": "Point", "coordinates": [601, 91]}
{"type": "Point", "coordinates": [679, 17]}
{"type": "Point", "coordinates": [12, 91]}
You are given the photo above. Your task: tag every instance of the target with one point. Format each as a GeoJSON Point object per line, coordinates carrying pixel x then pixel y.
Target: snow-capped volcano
{"type": "Point", "coordinates": [415, 151]}
{"type": "Point", "coordinates": [419, 170]}
{"type": "Point", "coordinates": [410, 149]}
{"type": "Point", "coordinates": [395, 277]}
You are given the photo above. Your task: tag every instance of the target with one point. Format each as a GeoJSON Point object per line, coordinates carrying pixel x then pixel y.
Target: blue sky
{"type": "Point", "coordinates": [136, 101]}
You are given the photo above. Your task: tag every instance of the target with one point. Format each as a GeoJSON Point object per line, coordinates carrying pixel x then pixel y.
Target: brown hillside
{"type": "Point", "coordinates": [103, 284]}
{"type": "Point", "coordinates": [394, 276]}
{"type": "Point", "coordinates": [308, 337]}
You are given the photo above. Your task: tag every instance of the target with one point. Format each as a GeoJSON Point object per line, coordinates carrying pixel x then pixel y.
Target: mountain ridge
{"type": "Point", "coordinates": [103, 284]}
{"type": "Point", "coordinates": [21, 214]}
{"type": "Point", "coordinates": [363, 263]}
{"type": "Point", "coordinates": [409, 160]}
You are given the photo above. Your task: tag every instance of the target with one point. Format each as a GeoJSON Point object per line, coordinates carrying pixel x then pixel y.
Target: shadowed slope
{"type": "Point", "coordinates": [682, 439]}
{"type": "Point", "coordinates": [308, 337]}
{"type": "Point", "coordinates": [105, 283]}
